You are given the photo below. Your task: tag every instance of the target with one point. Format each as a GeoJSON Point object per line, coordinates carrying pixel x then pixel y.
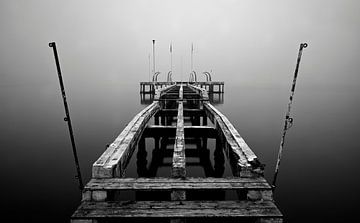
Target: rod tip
{"type": "Point", "coordinates": [304, 45]}
{"type": "Point", "coordinates": [51, 44]}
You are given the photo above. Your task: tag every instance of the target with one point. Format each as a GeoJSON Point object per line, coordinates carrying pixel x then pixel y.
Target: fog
{"type": "Point", "coordinates": [104, 49]}
{"type": "Point", "coordinates": [247, 42]}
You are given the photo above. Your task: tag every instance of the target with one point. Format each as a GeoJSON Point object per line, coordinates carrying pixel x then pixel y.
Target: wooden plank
{"type": "Point", "coordinates": [178, 183]}
{"type": "Point", "coordinates": [255, 188]}
{"type": "Point", "coordinates": [178, 169]}
{"type": "Point", "coordinates": [113, 161]}
{"type": "Point", "coordinates": [202, 91]}
{"type": "Point", "coordinates": [122, 158]}
{"type": "Point", "coordinates": [161, 91]}
{"type": "Point", "coordinates": [251, 157]}
{"type": "Point", "coordinates": [117, 154]}
{"type": "Point", "coordinates": [246, 157]}
{"type": "Point", "coordinates": [177, 209]}
{"type": "Point", "coordinates": [113, 147]}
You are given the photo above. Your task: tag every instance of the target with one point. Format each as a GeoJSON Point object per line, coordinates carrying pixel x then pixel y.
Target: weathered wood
{"type": "Point", "coordinates": [178, 169]}
{"type": "Point", "coordinates": [161, 91]}
{"type": "Point", "coordinates": [116, 155]}
{"type": "Point", "coordinates": [247, 160]}
{"type": "Point", "coordinates": [255, 188]}
{"type": "Point", "coordinates": [190, 183]}
{"type": "Point", "coordinates": [98, 195]}
{"type": "Point", "coordinates": [112, 163]}
{"type": "Point", "coordinates": [255, 194]}
{"type": "Point", "coordinates": [201, 91]}
{"type": "Point", "coordinates": [177, 209]}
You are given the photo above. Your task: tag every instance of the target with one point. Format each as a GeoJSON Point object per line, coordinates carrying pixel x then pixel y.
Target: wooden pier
{"type": "Point", "coordinates": [210, 86]}
{"type": "Point", "coordinates": [180, 118]}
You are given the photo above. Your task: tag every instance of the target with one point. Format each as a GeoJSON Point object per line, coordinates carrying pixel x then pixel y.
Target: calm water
{"type": "Point", "coordinates": [319, 175]}
{"type": "Point", "coordinates": [251, 45]}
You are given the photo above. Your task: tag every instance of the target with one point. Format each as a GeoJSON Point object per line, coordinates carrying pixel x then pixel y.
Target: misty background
{"type": "Point", "coordinates": [252, 46]}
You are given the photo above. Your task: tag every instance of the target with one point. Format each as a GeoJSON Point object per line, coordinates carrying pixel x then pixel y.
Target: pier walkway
{"type": "Point", "coordinates": [181, 118]}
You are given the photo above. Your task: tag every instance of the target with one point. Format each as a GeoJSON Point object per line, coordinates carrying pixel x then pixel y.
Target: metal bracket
{"type": "Point", "coordinates": [290, 122]}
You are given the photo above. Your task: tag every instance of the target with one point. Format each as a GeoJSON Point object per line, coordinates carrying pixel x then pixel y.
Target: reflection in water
{"type": "Point", "coordinates": [146, 99]}
{"type": "Point", "coordinates": [214, 98]}
{"type": "Point", "coordinates": [203, 159]}
{"type": "Point", "coordinates": [159, 153]}
{"type": "Point", "coordinates": [161, 156]}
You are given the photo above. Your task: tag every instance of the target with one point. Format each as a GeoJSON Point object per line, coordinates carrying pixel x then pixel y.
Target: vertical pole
{"type": "Point", "coordinates": [288, 119]}
{"type": "Point", "coordinates": [149, 66]}
{"type": "Point", "coordinates": [153, 57]}
{"type": "Point", "coordinates": [181, 69]}
{"type": "Point", "coordinates": [171, 63]}
{"type": "Point", "coordinates": [192, 57]}
{"type": "Point", "coordinates": [67, 118]}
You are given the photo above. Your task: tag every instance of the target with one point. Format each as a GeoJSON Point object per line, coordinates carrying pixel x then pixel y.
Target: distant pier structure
{"type": "Point", "coordinates": [215, 90]}
{"type": "Point", "coordinates": [181, 121]}
{"type": "Point", "coordinates": [211, 87]}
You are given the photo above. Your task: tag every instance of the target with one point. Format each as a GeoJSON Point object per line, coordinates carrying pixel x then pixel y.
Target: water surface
{"type": "Point", "coordinates": [318, 177]}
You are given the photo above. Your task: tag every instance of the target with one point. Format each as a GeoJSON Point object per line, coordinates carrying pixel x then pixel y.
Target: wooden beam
{"type": "Point", "coordinates": [178, 209]}
{"type": "Point", "coordinates": [178, 169]}
{"type": "Point", "coordinates": [254, 188]}
{"type": "Point", "coordinates": [178, 165]}
{"type": "Point", "coordinates": [161, 91]}
{"type": "Point", "coordinates": [247, 161]}
{"type": "Point", "coordinates": [190, 183]}
{"type": "Point", "coordinates": [113, 161]}
{"type": "Point", "coordinates": [201, 91]}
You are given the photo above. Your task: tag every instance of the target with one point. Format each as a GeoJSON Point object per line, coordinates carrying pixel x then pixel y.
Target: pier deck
{"type": "Point", "coordinates": [178, 115]}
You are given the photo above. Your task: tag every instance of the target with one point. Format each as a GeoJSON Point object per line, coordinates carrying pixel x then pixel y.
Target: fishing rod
{"type": "Point", "coordinates": [67, 118]}
{"type": "Point", "coordinates": [288, 120]}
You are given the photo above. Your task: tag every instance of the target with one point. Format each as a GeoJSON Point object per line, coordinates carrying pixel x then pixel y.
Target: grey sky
{"type": "Point", "coordinates": [252, 42]}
